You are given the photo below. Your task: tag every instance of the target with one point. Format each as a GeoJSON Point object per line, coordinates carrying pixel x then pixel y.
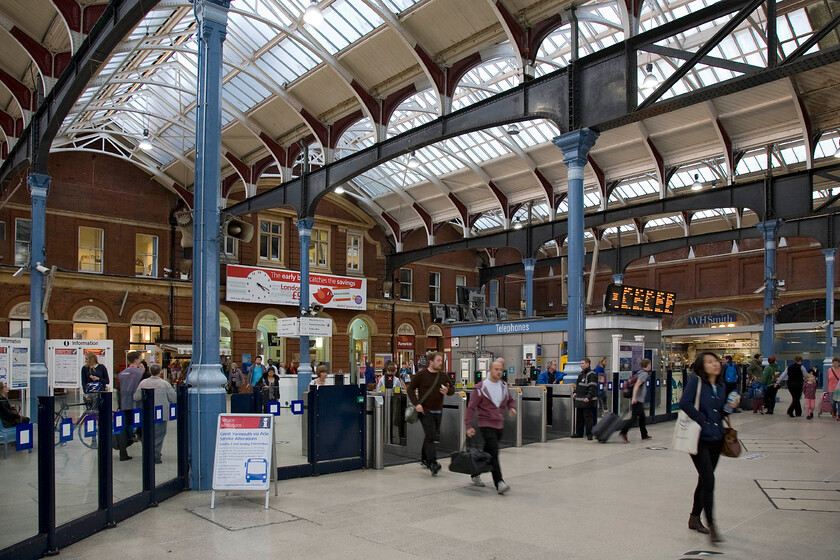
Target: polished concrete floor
{"type": "Point", "coordinates": [569, 499]}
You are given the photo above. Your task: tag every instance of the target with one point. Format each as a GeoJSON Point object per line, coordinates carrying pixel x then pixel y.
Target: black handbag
{"type": "Point", "coordinates": [472, 462]}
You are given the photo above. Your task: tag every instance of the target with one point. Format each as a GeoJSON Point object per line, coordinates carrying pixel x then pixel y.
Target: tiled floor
{"type": "Point", "coordinates": [570, 499]}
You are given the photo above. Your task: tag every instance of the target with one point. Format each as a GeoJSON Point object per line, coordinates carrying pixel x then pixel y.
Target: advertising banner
{"type": "Point", "coordinates": [14, 362]}
{"type": "Point", "coordinates": [243, 452]}
{"type": "Point", "coordinates": [65, 359]}
{"type": "Point", "coordinates": [249, 284]}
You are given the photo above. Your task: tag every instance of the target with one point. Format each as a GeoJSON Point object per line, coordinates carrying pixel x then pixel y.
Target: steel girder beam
{"type": "Point", "coordinates": [815, 227]}
{"type": "Point", "coordinates": [789, 197]}
{"type": "Point", "coordinates": [33, 147]}
{"type": "Point", "coordinates": [602, 81]}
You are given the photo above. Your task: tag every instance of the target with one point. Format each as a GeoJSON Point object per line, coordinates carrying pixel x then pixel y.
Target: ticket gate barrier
{"type": "Point", "coordinates": [452, 430]}
{"type": "Point", "coordinates": [374, 431]}
{"type": "Point", "coordinates": [534, 413]}
{"type": "Point", "coordinates": [562, 410]}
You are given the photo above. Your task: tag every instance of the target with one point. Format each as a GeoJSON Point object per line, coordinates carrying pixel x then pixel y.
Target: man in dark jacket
{"type": "Point", "coordinates": [129, 379]}
{"type": "Point", "coordinates": [490, 398]}
{"type": "Point", "coordinates": [433, 381]}
{"type": "Point", "coordinates": [585, 398]}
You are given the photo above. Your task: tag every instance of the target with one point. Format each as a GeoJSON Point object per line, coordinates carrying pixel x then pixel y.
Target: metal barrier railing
{"type": "Point", "coordinates": [535, 413]}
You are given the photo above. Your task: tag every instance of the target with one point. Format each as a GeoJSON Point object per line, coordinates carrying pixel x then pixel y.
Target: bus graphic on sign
{"type": "Point", "coordinates": [256, 469]}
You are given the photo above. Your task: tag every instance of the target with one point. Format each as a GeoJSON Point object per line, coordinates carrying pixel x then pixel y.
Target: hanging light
{"type": "Point", "coordinates": [650, 81]}
{"type": "Point", "coordinates": [313, 14]}
{"type": "Point", "coordinates": [413, 162]}
{"type": "Point", "coordinates": [145, 143]}
{"type": "Point", "coordinates": [513, 129]}
{"type": "Point", "coordinates": [339, 190]}
{"type": "Point", "coordinates": [697, 185]}
{"type": "Point", "coordinates": [517, 225]}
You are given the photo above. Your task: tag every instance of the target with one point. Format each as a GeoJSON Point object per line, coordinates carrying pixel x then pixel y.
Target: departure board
{"type": "Point", "coordinates": [639, 300]}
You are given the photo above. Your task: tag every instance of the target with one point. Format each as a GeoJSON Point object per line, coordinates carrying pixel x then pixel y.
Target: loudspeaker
{"type": "Point", "coordinates": [238, 229]}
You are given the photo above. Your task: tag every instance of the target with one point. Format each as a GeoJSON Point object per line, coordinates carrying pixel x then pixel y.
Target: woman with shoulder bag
{"type": "Point", "coordinates": [709, 414]}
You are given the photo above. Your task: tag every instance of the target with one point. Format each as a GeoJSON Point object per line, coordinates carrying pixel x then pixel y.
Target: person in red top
{"type": "Point", "coordinates": [833, 375]}
{"type": "Point", "coordinates": [490, 399]}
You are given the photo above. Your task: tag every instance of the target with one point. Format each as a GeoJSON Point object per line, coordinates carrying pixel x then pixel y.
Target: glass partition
{"type": "Point", "coordinates": [76, 455]}
{"type": "Point", "coordinates": [166, 443]}
{"type": "Point", "coordinates": [19, 481]}
{"type": "Point", "coordinates": [291, 434]}
{"type": "Point", "coordinates": [128, 454]}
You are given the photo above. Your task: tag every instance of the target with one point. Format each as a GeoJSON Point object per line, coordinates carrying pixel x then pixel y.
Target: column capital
{"type": "Point", "coordinates": [304, 226]}
{"type": "Point", "coordinates": [769, 228]}
{"type": "Point", "coordinates": [530, 264]}
{"type": "Point", "coordinates": [575, 146]}
{"type": "Point", "coordinates": [39, 184]}
{"type": "Point", "coordinates": [215, 11]}
{"type": "Point", "coordinates": [829, 254]}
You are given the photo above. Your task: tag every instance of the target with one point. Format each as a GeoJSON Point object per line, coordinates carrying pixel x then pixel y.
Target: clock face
{"type": "Point", "coordinates": [258, 286]}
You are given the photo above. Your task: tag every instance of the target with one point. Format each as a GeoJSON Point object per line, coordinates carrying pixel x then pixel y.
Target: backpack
{"type": "Point", "coordinates": [731, 374]}
{"type": "Point", "coordinates": [627, 386]}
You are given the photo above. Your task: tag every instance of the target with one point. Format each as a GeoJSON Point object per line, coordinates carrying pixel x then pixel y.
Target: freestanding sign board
{"type": "Point", "coordinates": [65, 359]}
{"type": "Point", "coordinates": [243, 459]}
{"type": "Point", "coordinates": [14, 362]}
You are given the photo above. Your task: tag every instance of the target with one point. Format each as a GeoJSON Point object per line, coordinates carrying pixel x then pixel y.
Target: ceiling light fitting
{"type": "Point", "coordinates": [513, 129]}
{"type": "Point", "coordinates": [517, 225]}
{"type": "Point", "coordinates": [145, 143]}
{"type": "Point", "coordinates": [697, 185]}
{"type": "Point", "coordinates": [313, 14]}
{"type": "Point", "coordinates": [413, 162]}
{"type": "Point", "coordinates": [650, 81]}
{"type": "Point", "coordinates": [339, 190]}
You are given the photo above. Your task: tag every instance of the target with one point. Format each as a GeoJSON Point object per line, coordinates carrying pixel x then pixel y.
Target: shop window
{"type": "Point", "coordinates": [146, 255]}
{"type": "Point", "coordinates": [354, 252]}
{"type": "Point", "coordinates": [90, 331]}
{"type": "Point", "coordinates": [493, 300]}
{"type": "Point", "coordinates": [319, 248]}
{"type": "Point", "coordinates": [141, 335]}
{"type": "Point", "coordinates": [434, 287]}
{"type": "Point", "coordinates": [91, 242]}
{"type": "Point", "coordinates": [23, 241]}
{"type": "Point", "coordinates": [406, 279]}
{"type": "Point", "coordinates": [271, 241]}
{"type": "Point", "coordinates": [18, 328]}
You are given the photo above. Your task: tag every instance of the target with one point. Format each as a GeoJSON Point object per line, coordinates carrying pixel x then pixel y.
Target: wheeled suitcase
{"type": "Point", "coordinates": [606, 426]}
{"type": "Point", "coordinates": [825, 404]}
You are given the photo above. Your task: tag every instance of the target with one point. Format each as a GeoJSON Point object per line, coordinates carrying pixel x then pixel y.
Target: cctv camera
{"type": "Point", "coordinates": [18, 272]}
{"type": "Point", "coordinates": [42, 269]}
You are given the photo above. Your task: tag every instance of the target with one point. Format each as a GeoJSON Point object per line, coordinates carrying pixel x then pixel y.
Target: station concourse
{"type": "Point", "coordinates": [243, 192]}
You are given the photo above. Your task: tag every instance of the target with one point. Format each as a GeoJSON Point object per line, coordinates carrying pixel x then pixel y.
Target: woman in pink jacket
{"type": "Point", "coordinates": [491, 398]}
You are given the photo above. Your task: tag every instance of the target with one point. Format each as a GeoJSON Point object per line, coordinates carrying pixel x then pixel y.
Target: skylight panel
{"type": "Point", "coordinates": [827, 146]}
{"type": "Point", "coordinates": [398, 6]}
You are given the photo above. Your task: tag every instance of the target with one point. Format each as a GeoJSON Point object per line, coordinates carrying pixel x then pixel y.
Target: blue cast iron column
{"type": "Point", "coordinates": [206, 380]}
{"type": "Point", "coordinates": [39, 186]}
{"type": "Point", "coordinates": [769, 229]}
{"type": "Point", "coordinates": [304, 226]}
{"type": "Point", "coordinates": [829, 312]}
{"type": "Point", "coordinates": [575, 145]}
{"type": "Point", "coordinates": [529, 286]}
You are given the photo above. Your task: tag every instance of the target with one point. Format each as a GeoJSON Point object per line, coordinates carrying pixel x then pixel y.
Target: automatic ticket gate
{"type": "Point", "coordinates": [562, 411]}
{"type": "Point", "coordinates": [534, 413]}
{"type": "Point", "coordinates": [452, 430]}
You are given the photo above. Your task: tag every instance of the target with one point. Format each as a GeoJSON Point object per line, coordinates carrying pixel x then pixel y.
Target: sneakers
{"type": "Point", "coordinates": [476, 480]}
{"type": "Point", "coordinates": [435, 468]}
{"type": "Point", "coordinates": [502, 487]}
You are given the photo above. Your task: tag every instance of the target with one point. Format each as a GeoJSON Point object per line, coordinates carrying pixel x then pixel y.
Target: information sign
{"type": "Point", "coordinates": [14, 362]}
{"type": "Point", "coordinates": [243, 459]}
{"type": "Point", "coordinates": [639, 300]}
{"type": "Point", "coordinates": [65, 359]}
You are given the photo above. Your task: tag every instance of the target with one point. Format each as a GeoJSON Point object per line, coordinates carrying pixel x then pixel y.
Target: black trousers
{"type": "Point", "coordinates": [795, 407]}
{"type": "Point", "coordinates": [638, 411]}
{"type": "Point", "coordinates": [491, 445]}
{"type": "Point", "coordinates": [770, 398]}
{"type": "Point", "coordinates": [431, 429]}
{"type": "Point", "coordinates": [708, 453]}
{"type": "Point", "coordinates": [584, 420]}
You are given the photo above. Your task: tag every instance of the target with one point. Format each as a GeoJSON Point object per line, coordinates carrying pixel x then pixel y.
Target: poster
{"type": "Point", "coordinates": [243, 452]}
{"type": "Point", "coordinates": [268, 285]}
{"type": "Point", "coordinates": [14, 362]}
{"type": "Point", "coordinates": [629, 356]}
{"type": "Point", "coordinates": [65, 359]}
{"type": "Point", "coordinates": [380, 360]}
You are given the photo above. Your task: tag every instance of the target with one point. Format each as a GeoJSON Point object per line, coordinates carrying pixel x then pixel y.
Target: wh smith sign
{"type": "Point", "coordinates": [701, 320]}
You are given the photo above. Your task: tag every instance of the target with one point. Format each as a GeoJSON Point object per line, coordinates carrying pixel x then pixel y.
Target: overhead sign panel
{"type": "Point", "coordinates": [249, 284]}
{"type": "Point", "coordinates": [639, 300]}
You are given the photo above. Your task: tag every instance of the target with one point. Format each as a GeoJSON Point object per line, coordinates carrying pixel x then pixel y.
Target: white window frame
{"type": "Point", "coordinates": [92, 251]}
{"type": "Point", "coordinates": [354, 251]}
{"type": "Point", "coordinates": [434, 287]}
{"type": "Point", "coordinates": [23, 242]}
{"type": "Point", "coordinates": [319, 246]}
{"type": "Point", "coordinates": [460, 280]}
{"type": "Point", "coordinates": [143, 256]}
{"type": "Point", "coordinates": [409, 283]}
{"type": "Point", "coordinates": [230, 247]}
{"type": "Point", "coordinates": [271, 236]}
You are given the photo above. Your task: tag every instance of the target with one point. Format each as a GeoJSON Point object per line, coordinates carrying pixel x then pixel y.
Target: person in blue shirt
{"type": "Point", "coordinates": [257, 370]}
{"type": "Point", "coordinates": [370, 377]}
{"type": "Point", "coordinates": [548, 377]}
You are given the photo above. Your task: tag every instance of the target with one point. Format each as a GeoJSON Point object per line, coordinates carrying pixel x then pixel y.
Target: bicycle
{"type": "Point", "coordinates": [91, 412]}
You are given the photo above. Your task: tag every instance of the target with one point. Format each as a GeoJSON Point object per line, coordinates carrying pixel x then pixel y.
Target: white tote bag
{"type": "Point", "coordinates": [687, 431]}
